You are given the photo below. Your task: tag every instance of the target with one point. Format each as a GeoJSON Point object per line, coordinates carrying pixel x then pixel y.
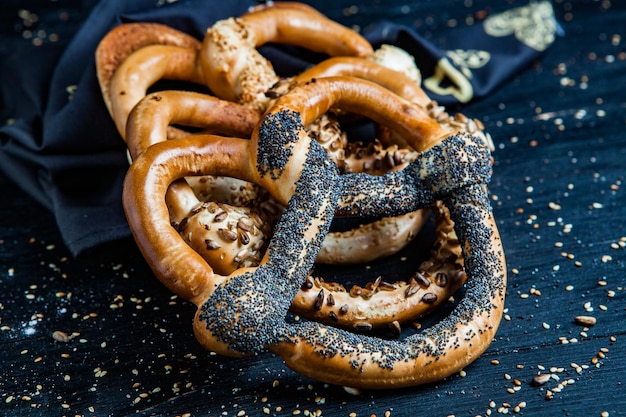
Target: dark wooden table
{"type": "Point", "coordinates": [99, 335]}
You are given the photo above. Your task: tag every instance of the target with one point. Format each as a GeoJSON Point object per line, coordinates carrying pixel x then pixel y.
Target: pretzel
{"type": "Point", "coordinates": [244, 312]}
{"type": "Point", "coordinates": [142, 61]}
{"type": "Point", "coordinates": [236, 71]}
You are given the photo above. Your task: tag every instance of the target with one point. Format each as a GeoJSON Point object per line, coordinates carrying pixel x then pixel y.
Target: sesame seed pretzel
{"type": "Point", "coordinates": [134, 56]}
{"type": "Point", "coordinates": [235, 70]}
{"type": "Point", "coordinates": [245, 312]}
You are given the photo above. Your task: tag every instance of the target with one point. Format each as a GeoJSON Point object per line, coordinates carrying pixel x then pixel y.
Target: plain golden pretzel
{"type": "Point", "coordinates": [121, 42]}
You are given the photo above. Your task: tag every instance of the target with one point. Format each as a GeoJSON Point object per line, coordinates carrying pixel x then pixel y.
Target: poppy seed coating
{"type": "Point", "coordinates": [455, 162]}
{"type": "Point", "coordinates": [248, 311]}
{"type": "Point", "coordinates": [469, 209]}
{"type": "Point", "coordinates": [277, 135]}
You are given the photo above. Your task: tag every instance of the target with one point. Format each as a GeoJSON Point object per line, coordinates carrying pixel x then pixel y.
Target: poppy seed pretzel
{"type": "Point", "coordinates": [245, 312]}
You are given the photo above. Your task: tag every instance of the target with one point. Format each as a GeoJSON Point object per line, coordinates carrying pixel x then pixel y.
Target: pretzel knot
{"type": "Point", "coordinates": [245, 312]}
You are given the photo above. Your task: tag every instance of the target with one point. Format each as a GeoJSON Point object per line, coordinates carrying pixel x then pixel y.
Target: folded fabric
{"type": "Point", "coordinates": [60, 144]}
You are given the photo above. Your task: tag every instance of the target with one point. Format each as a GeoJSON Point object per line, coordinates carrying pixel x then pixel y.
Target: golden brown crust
{"type": "Point", "coordinates": [152, 115]}
{"type": "Point", "coordinates": [360, 67]}
{"type": "Point", "coordinates": [123, 40]}
{"type": "Point", "coordinates": [141, 70]}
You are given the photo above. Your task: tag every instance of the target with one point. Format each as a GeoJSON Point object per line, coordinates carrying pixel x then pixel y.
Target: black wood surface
{"type": "Point", "coordinates": [559, 198]}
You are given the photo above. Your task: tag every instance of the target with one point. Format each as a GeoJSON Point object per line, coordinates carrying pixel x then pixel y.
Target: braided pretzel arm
{"type": "Point", "coordinates": [143, 68]}
{"type": "Point", "coordinates": [368, 99]}
{"type": "Point", "coordinates": [150, 118]}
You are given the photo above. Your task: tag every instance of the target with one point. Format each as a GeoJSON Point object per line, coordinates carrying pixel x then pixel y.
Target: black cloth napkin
{"type": "Point", "coordinates": [60, 145]}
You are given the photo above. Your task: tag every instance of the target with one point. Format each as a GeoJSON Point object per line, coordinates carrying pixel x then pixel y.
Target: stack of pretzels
{"type": "Point", "coordinates": [234, 182]}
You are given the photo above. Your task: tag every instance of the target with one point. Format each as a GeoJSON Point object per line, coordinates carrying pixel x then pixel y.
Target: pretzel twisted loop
{"type": "Point", "coordinates": [245, 312]}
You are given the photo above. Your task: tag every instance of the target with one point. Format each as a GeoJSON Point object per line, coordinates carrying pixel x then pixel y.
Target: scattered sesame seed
{"type": "Point", "coordinates": [585, 320]}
